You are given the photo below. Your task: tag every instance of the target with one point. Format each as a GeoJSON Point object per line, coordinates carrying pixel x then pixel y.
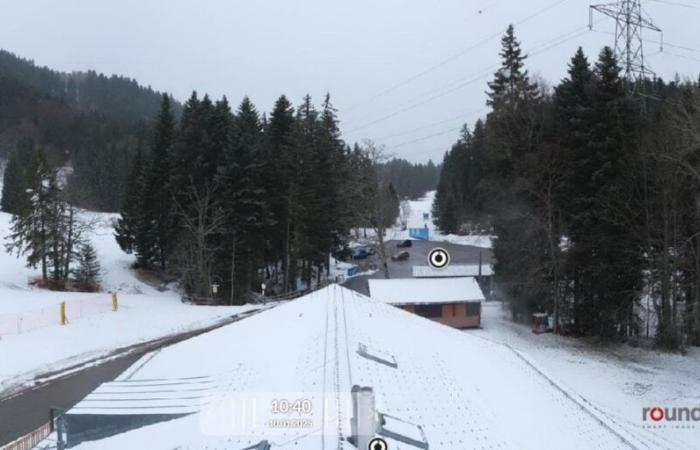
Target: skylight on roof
{"type": "Point", "coordinates": [377, 355]}
{"type": "Point", "coordinates": [262, 445]}
{"type": "Point", "coordinates": [402, 431]}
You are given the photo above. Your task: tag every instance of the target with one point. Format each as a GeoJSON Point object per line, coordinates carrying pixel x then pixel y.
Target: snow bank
{"type": "Point", "coordinates": [617, 381]}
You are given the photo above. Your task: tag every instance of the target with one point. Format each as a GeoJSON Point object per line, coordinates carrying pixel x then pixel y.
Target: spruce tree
{"type": "Point", "coordinates": [331, 169]}
{"type": "Point", "coordinates": [615, 257]}
{"type": "Point", "coordinates": [32, 226]}
{"type": "Point", "coordinates": [157, 222]}
{"type": "Point", "coordinates": [278, 153]}
{"type": "Point", "coordinates": [244, 198]}
{"type": "Point", "coordinates": [13, 187]}
{"type": "Point", "coordinates": [511, 84]}
{"type": "Point", "coordinates": [15, 177]}
{"type": "Point", "coordinates": [573, 106]}
{"type": "Point", "coordinates": [130, 226]}
{"type": "Point", "coordinates": [87, 273]}
{"type": "Point", "coordinates": [512, 128]}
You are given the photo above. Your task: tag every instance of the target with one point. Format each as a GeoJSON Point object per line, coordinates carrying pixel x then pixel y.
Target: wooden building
{"type": "Point", "coordinates": [454, 301]}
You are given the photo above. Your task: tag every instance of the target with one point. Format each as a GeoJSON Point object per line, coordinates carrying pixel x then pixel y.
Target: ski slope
{"type": "Point", "coordinates": [416, 219]}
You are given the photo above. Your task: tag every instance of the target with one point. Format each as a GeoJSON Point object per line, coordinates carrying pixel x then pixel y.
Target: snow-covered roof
{"type": "Point", "coordinates": [453, 270]}
{"type": "Point", "coordinates": [450, 389]}
{"type": "Point", "coordinates": [403, 291]}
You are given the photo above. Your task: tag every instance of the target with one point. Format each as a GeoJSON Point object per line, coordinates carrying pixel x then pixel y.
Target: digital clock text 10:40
{"type": "Point", "coordinates": [284, 406]}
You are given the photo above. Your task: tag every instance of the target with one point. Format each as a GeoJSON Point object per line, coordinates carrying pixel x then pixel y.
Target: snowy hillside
{"type": "Point", "coordinates": [33, 342]}
{"type": "Point", "coordinates": [418, 209]}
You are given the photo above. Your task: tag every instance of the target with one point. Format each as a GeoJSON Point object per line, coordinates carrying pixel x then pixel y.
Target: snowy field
{"type": "Point", "coordinates": [43, 345]}
{"type": "Point", "coordinates": [616, 380]}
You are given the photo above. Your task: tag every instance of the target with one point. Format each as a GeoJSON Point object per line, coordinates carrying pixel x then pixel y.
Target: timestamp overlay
{"type": "Point", "coordinates": [272, 414]}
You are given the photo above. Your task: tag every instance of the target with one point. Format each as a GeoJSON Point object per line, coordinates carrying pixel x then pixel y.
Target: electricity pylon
{"type": "Point", "coordinates": [630, 20]}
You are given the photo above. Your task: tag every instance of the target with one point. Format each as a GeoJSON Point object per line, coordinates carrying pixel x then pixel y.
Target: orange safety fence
{"type": "Point", "coordinates": [30, 320]}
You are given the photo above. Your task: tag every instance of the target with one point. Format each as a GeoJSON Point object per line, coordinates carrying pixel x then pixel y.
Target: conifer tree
{"type": "Point", "coordinates": [511, 84]}
{"type": "Point", "coordinates": [130, 226]}
{"type": "Point", "coordinates": [157, 223]}
{"type": "Point", "coordinates": [277, 179]}
{"type": "Point", "coordinates": [244, 199]}
{"type": "Point", "coordinates": [13, 186]}
{"type": "Point", "coordinates": [87, 272]}
{"type": "Point", "coordinates": [511, 128]}
{"type": "Point", "coordinates": [32, 226]}
{"type": "Point", "coordinates": [15, 177]}
{"type": "Point", "coordinates": [614, 257]}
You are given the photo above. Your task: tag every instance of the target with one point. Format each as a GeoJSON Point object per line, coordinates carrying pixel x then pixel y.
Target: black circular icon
{"type": "Point", "coordinates": [377, 444]}
{"type": "Point", "coordinates": [438, 258]}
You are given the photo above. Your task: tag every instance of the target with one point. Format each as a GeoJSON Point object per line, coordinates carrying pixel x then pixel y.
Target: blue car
{"type": "Point", "coordinates": [360, 253]}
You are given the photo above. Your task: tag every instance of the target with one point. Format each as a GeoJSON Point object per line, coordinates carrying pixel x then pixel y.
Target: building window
{"type": "Point", "coordinates": [473, 308]}
{"type": "Point", "coordinates": [429, 311]}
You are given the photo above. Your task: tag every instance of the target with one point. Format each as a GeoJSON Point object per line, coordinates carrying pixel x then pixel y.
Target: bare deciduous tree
{"type": "Point", "coordinates": [201, 222]}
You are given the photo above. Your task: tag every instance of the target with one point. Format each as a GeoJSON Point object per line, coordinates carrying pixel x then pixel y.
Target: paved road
{"type": "Point", "coordinates": [29, 409]}
{"type": "Point", "coordinates": [459, 254]}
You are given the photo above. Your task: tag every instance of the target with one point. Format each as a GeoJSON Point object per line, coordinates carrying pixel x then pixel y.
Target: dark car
{"type": "Point", "coordinates": [405, 244]}
{"type": "Point", "coordinates": [360, 253]}
{"type": "Point", "coordinates": [401, 256]}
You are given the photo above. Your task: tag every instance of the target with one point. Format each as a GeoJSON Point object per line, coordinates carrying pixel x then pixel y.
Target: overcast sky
{"type": "Point", "coordinates": [406, 74]}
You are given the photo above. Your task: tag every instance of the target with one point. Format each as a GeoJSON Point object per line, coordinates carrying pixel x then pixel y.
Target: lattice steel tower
{"type": "Point", "coordinates": [630, 20]}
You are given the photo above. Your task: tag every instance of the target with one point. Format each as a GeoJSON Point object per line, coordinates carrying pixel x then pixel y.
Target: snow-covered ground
{"type": "Point", "coordinates": [617, 380]}
{"type": "Point", "coordinates": [493, 388]}
{"type": "Point", "coordinates": [416, 220]}
{"type": "Point", "coordinates": [44, 345]}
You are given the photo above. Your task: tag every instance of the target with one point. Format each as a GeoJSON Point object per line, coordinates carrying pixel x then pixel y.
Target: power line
{"type": "Point", "coordinates": [451, 58]}
{"type": "Point", "coordinates": [422, 127]}
{"type": "Point", "coordinates": [689, 58]}
{"type": "Point", "coordinates": [669, 2]}
{"type": "Point", "coordinates": [413, 141]}
{"type": "Point", "coordinates": [480, 75]}
{"type": "Point", "coordinates": [665, 43]}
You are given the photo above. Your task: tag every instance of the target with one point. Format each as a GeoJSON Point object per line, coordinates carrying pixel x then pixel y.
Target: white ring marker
{"type": "Point", "coordinates": [377, 444]}
{"type": "Point", "coordinates": [438, 258]}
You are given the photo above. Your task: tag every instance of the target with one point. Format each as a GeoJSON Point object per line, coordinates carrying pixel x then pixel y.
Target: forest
{"type": "Point", "coordinates": [220, 200]}
{"type": "Point", "coordinates": [207, 195]}
{"type": "Point", "coordinates": [235, 199]}
{"type": "Point", "coordinates": [591, 188]}
{"type": "Point", "coordinates": [411, 180]}
{"type": "Point", "coordinates": [92, 122]}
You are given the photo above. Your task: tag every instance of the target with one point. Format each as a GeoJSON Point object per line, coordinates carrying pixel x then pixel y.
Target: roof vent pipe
{"type": "Point", "coordinates": [363, 424]}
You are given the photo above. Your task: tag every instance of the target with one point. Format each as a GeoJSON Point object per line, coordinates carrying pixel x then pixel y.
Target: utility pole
{"type": "Point", "coordinates": [630, 21]}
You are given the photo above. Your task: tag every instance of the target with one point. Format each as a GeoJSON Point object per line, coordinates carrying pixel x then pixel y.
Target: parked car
{"type": "Point", "coordinates": [401, 256]}
{"type": "Point", "coordinates": [540, 323]}
{"type": "Point", "coordinates": [405, 244]}
{"type": "Point", "coordinates": [360, 253]}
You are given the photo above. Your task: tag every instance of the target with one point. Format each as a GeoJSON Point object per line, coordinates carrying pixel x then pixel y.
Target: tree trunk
{"type": "Point", "coordinates": [233, 268]}
{"type": "Point", "coordinates": [69, 244]}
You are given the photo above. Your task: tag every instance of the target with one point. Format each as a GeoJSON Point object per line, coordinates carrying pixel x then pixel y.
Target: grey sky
{"type": "Point", "coordinates": [355, 49]}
